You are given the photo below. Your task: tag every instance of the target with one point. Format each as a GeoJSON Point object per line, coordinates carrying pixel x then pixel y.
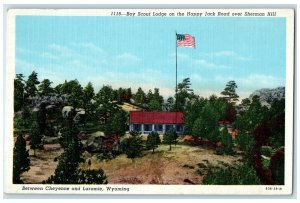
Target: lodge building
{"type": "Point", "coordinates": [161, 122]}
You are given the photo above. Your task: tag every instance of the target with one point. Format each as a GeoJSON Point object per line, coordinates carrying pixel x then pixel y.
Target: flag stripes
{"type": "Point", "coordinates": [185, 40]}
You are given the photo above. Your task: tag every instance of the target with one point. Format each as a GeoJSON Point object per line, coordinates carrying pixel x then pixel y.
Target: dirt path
{"type": "Point", "coordinates": [42, 165]}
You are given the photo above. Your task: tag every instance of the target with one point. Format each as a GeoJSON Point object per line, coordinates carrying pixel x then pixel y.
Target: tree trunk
{"type": "Point", "coordinates": [152, 150]}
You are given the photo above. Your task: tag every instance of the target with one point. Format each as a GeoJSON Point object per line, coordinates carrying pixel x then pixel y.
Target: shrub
{"type": "Point", "coordinates": [226, 139]}
{"type": "Point", "coordinates": [243, 174]}
{"type": "Point", "coordinates": [132, 146]}
{"type": "Point", "coordinates": [153, 141]}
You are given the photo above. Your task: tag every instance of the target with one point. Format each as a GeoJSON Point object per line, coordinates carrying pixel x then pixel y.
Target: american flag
{"type": "Point", "coordinates": [185, 40]}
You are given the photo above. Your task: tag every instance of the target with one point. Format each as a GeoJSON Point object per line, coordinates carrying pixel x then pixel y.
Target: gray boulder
{"type": "Point", "coordinates": [267, 96]}
{"type": "Point", "coordinates": [66, 111]}
{"type": "Point", "coordinates": [94, 142]}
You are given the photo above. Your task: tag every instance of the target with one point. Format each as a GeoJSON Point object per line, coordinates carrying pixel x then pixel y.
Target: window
{"type": "Point", "coordinates": [147, 127]}
{"type": "Point", "coordinates": [169, 128]}
{"type": "Point", "coordinates": [137, 127]}
{"type": "Point", "coordinates": [178, 128]}
{"type": "Point", "coordinates": [158, 127]}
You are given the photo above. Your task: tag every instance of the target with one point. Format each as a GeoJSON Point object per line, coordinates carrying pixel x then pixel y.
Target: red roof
{"type": "Point", "coordinates": [156, 117]}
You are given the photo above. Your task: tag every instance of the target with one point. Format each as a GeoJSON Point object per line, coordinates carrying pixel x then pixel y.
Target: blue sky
{"type": "Point", "coordinates": [133, 52]}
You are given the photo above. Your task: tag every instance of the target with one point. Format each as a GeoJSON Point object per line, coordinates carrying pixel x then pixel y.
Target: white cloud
{"type": "Point", "coordinates": [196, 77]}
{"type": "Point", "coordinates": [231, 54]}
{"type": "Point", "coordinates": [181, 56]}
{"type": "Point", "coordinates": [127, 58]}
{"type": "Point", "coordinates": [263, 81]}
{"type": "Point", "coordinates": [48, 55]}
{"type": "Point", "coordinates": [225, 53]}
{"type": "Point", "coordinates": [205, 64]}
{"type": "Point", "coordinates": [92, 47]}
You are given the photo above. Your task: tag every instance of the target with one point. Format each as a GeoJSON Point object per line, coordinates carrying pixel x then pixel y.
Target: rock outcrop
{"type": "Point", "coordinates": [267, 96]}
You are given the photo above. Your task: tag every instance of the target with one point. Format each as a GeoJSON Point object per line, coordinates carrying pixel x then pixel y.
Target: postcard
{"type": "Point", "coordinates": [149, 101]}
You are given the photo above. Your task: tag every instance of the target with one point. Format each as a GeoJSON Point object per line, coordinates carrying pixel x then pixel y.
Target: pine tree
{"type": "Point", "coordinates": [45, 87]}
{"type": "Point", "coordinates": [35, 135]}
{"type": "Point", "coordinates": [133, 145]}
{"type": "Point", "coordinates": [170, 138]}
{"type": "Point", "coordinates": [153, 141]}
{"type": "Point", "coordinates": [21, 161]}
{"type": "Point", "coordinates": [31, 83]}
{"type": "Point", "coordinates": [19, 92]}
{"type": "Point", "coordinates": [229, 92]}
{"type": "Point", "coordinates": [140, 96]}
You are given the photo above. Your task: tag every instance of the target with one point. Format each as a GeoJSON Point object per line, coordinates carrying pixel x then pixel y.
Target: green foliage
{"type": "Point", "coordinates": [116, 123]}
{"type": "Point", "coordinates": [267, 151]}
{"type": "Point", "coordinates": [203, 117]}
{"type": "Point", "coordinates": [31, 83]}
{"type": "Point", "coordinates": [154, 105]}
{"type": "Point", "coordinates": [226, 139]}
{"type": "Point", "coordinates": [277, 109]}
{"type": "Point", "coordinates": [277, 166]}
{"type": "Point", "coordinates": [140, 96]}
{"type": "Point", "coordinates": [69, 131]}
{"type": "Point", "coordinates": [35, 135]}
{"type": "Point", "coordinates": [246, 142]}
{"type": "Point", "coordinates": [21, 161]}
{"type": "Point", "coordinates": [243, 174]}
{"type": "Point", "coordinates": [184, 93]}
{"type": "Point", "coordinates": [153, 141]}
{"type": "Point", "coordinates": [191, 113]}
{"type": "Point", "coordinates": [45, 87]}
{"type": "Point", "coordinates": [133, 145]}
{"type": "Point", "coordinates": [255, 115]}
{"type": "Point", "coordinates": [170, 102]}
{"type": "Point", "coordinates": [170, 138]}
{"type": "Point", "coordinates": [19, 87]}
{"type": "Point", "coordinates": [155, 101]}
{"type": "Point", "coordinates": [124, 94]}
{"type": "Point", "coordinates": [66, 171]}
{"type": "Point", "coordinates": [74, 91]}
{"type": "Point", "coordinates": [229, 92]}
{"type": "Point", "coordinates": [92, 177]}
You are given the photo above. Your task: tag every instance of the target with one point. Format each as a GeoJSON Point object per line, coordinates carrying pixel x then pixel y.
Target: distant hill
{"type": "Point", "coordinates": [268, 95]}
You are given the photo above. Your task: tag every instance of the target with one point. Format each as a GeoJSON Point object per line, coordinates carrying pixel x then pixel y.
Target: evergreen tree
{"type": "Point", "coordinates": [170, 138]}
{"type": "Point", "coordinates": [140, 96]}
{"type": "Point", "coordinates": [21, 161]}
{"type": "Point", "coordinates": [153, 141]}
{"type": "Point", "coordinates": [155, 101]}
{"type": "Point", "coordinates": [67, 168]}
{"type": "Point", "coordinates": [88, 95]}
{"type": "Point", "coordinates": [35, 135]}
{"type": "Point", "coordinates": [117, 123]}
{"type": "Point", "coordinates": [154, 105]}
{"type": "Point", "coordinates": [45, 87]}
{"type": "Point", "coordinates": [226, 139]}
{"type": "Point", "coordinates": [229, 92]}
{"type": "Point", "coordinates": [19, 87]}
{"type": "Point", "coordinates": [31, 83]}
{"type": "Point", "coordinates": [184, 92]}
{"type": "Point", "coordinates": [170, 102]}
{"type": "Point", "coordinates": [74, 91]}
{"type": "Point", "coordinates": [133, 145]}
{"type": "Point", "coordinates": [69, 130]}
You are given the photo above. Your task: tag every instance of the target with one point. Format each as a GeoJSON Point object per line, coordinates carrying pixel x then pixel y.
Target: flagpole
{"type": "Point", "coordinates": [176, 73]}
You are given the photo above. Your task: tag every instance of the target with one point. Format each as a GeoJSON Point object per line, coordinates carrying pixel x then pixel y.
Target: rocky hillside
{"type": "Point", "coordinates": [268, 95]}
